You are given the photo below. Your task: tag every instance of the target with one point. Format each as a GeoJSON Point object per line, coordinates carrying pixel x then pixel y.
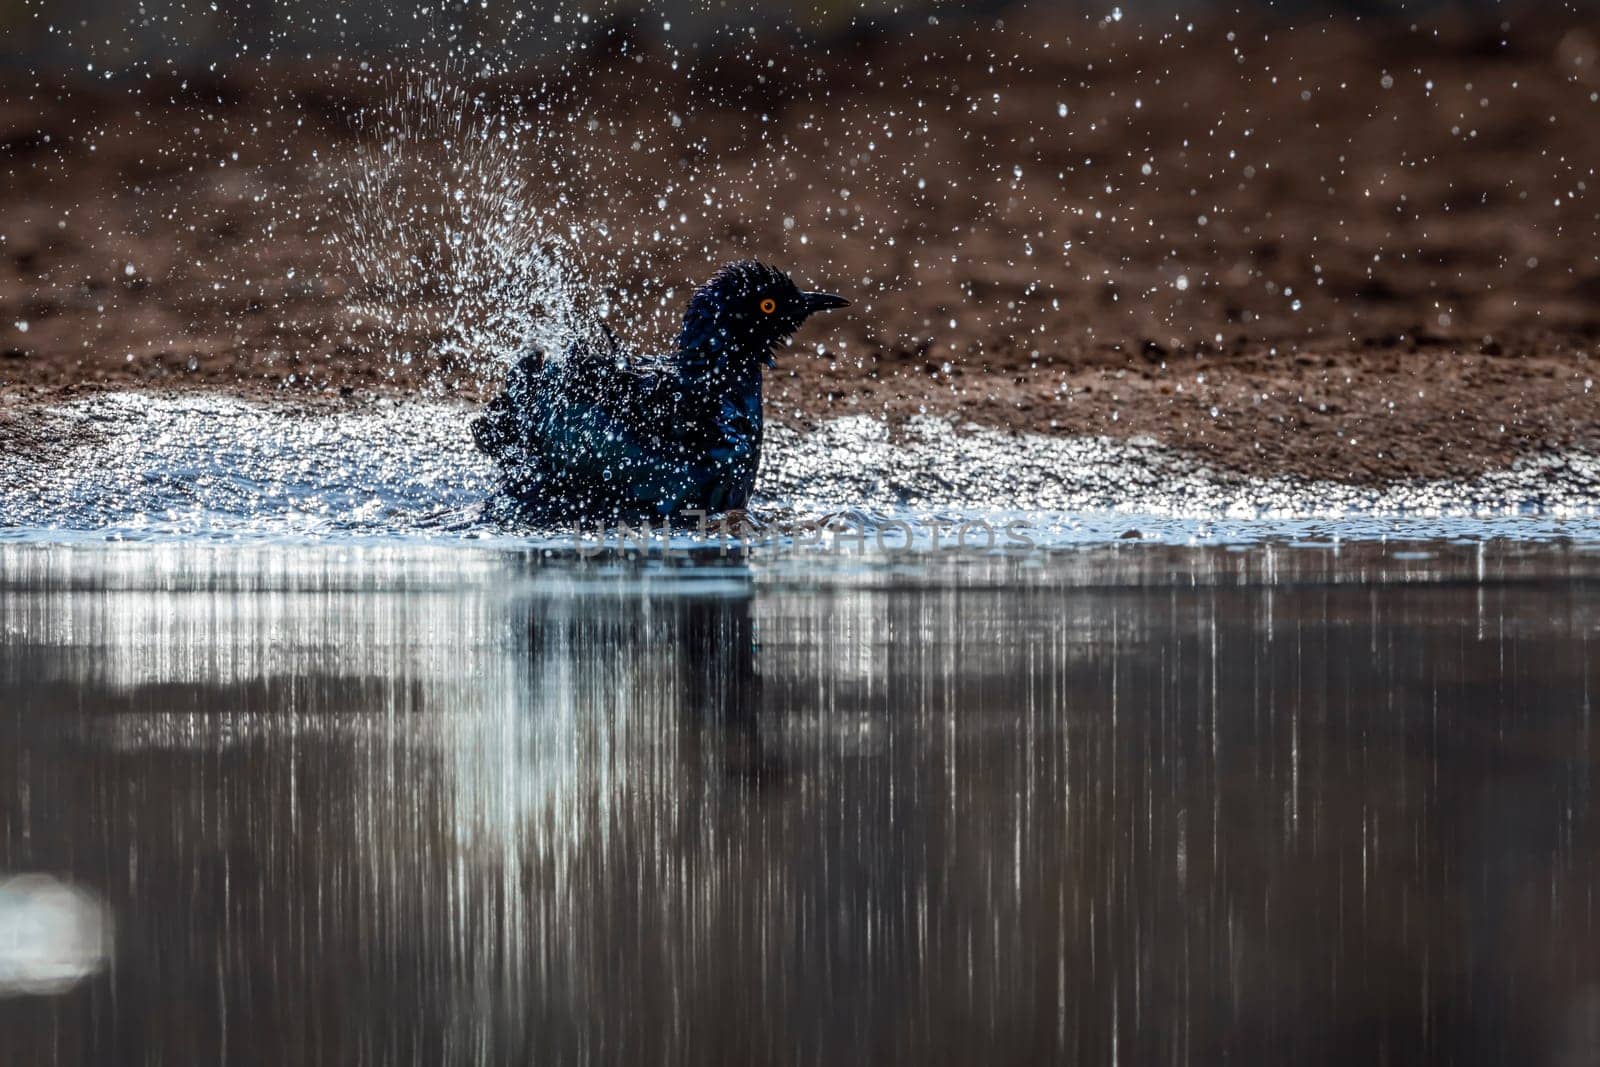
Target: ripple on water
{"type": "Point", "coordinates": [139, 466]}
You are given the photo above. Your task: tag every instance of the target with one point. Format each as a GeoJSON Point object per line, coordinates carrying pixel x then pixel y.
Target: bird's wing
{"type": "Point", "coordinates": [623, 435]}
{"type": "Point", "coordinates": [511, 427]}
{"type": "Point", "coordinates": [607, 430]}
{"type": "Point", "coordinates": [505, 430]}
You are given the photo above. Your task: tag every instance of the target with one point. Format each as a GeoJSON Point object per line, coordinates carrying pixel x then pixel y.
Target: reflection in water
{"type": "Point", "coordinates": [1145, 805]}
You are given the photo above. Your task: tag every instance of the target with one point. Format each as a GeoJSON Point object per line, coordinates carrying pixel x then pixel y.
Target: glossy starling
{"type": "Point", "coordinates": [603, 433]}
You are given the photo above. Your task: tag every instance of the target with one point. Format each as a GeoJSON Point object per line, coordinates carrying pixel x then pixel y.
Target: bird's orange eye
{"type": "Point", "coordinates": [768, 306]}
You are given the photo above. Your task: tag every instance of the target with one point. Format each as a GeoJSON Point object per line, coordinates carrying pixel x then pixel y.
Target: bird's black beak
{"type": "Point", "coordinates": [816, 302]}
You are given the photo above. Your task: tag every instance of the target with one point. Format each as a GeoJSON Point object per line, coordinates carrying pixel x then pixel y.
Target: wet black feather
{"type": "Point", "coordinates": [606, 433]}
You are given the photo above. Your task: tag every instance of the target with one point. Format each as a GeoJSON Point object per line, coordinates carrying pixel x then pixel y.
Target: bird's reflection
{"type": "Point", "coordinates": [697, 648]}
{"type": "Point", "coordinates": [722, 688]}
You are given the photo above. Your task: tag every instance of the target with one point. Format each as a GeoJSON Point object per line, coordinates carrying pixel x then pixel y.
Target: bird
{"type": "Point", "coordinates": [604, 433]}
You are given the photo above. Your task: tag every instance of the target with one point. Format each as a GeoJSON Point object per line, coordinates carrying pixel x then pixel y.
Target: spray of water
{"type": "Point", "coordinates": [449, 241]}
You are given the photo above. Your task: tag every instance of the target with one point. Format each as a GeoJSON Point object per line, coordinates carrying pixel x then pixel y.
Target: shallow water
{"type": "Point", "coordinates": [1137, 803]}
{"type": "Point", "coordinates": [136, 466]}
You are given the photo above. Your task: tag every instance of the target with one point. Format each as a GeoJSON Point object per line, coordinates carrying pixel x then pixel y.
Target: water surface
{"type": "Point", "coordinates": [145, 466]}
{"type": "Point", "coordinates": [1135, 804]}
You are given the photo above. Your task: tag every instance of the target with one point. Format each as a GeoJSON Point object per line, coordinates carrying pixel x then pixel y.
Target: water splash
{"type": "Point", "coordinates": [139, 467]}
{"type": "Point", "coordinates": [446, 234]}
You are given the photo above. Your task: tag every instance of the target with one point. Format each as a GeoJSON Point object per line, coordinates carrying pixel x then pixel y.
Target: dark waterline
{"type": "Point", "coordinates": [1135, 804]}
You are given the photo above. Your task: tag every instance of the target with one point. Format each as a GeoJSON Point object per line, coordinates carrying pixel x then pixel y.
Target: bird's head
{"type": "Point", "coordinates": [737, 319]}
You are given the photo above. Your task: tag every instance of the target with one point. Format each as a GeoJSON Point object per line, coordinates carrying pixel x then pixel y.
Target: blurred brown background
{"type": "Point", "coordinates": [1302, 240]}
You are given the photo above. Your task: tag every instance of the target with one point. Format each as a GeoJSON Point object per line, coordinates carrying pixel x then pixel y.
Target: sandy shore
{"type": "Point", "coordinates": [1357, 252]}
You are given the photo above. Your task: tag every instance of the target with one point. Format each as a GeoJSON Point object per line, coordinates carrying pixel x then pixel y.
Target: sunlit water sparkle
{"type": "Point", "coordinates": [445, 238]}
{"type": "Point", "coordinates": [134, 466]}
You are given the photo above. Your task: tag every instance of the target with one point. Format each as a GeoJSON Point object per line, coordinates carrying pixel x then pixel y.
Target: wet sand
{"type": "Point", "coordinates": [1333, 250]}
